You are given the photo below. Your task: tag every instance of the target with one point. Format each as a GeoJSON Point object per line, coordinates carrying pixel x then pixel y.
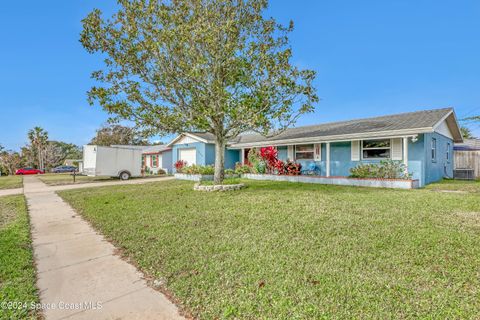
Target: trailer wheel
{"type": "Point", "coordinates": [124, 175]}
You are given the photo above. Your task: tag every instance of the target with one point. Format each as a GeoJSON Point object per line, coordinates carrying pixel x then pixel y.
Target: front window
{"type": "Point", "coordinates": [434, 149]}
{"type": "Point", "coordinates": [376, 149]}
{"type": "Point", "coordinates": [304, 152]}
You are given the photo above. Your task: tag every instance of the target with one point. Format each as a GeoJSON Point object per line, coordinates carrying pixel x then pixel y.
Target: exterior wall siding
{"type": "Point", "coordinates": [439, 167]}
{"type": "Point", "coordinates": [206, 154]}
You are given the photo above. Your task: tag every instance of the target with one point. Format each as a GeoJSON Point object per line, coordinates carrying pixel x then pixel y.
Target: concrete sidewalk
{"type": "Point", "coordinates": [10, 192]}
{"type": "Point", "coordinates": [79, 276]}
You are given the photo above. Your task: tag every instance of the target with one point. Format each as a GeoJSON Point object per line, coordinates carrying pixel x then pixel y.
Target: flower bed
{"type": "Point", "coordinates": [344, 181]}
{"type": "Point", "coordinates": [200, 177]}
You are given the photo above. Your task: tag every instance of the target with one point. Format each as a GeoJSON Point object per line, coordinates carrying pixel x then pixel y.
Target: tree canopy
{"type": "Point", "coordinates": [199, 65]}
{"type": "Point", "coordinates": [109, 135]}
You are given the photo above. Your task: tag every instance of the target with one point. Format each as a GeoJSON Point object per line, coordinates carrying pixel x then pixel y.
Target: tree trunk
{"type": "Point", "coordinates": [219, 161]}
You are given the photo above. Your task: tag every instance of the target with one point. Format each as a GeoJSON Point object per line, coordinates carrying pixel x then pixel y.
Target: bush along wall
{"type": "Point", "coordinates": [385, 169]}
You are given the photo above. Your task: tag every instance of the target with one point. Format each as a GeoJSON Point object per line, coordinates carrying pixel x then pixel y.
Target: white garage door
{"type": "Point", "coordinates": [188, 155]}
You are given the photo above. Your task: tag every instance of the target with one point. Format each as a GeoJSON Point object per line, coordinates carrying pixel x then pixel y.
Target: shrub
{"type": "Point", "coordinates": [161, 171]}
{"type": "Point", "coordinates": [229, 172]}
{"type": "Point", "coordinates": [293, 168]}
{"type": "Point", "coordinates": [241, 169]}
{"type": "Point", "coordinates": [256, 161]}
{"type": "Point", "coordinates": [179, 165]}
{"type": "Point", "coordinates": [206, 170]}
{"type": "Point", "coordinates": [386, 169]}
{"type": "Point", "coordinates": [194, 169]}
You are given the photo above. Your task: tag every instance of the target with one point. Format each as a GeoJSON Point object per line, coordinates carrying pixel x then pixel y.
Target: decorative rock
{"type": "Point", "coordinates": [218, 187]}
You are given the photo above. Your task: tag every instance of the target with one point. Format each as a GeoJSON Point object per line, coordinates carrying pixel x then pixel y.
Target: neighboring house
{"type": "Point", "coordinates": [422, 140]}
{"type": "Point", "coordinates": [157, 157]}
{"type": "Point", "coordinates": [467, 155]}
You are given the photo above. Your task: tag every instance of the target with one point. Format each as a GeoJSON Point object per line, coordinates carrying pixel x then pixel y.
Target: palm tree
{"type": "Point", "coordinates": [38, 141]}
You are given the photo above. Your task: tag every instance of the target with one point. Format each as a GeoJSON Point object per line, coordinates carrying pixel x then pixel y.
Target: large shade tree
{"type": "Point", "coordinates": [198, 65]}
{"type": "Point", "coordinates": [111, 134]}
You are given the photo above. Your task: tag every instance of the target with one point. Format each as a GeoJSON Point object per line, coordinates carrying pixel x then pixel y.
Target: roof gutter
{"type": "Point", "coordinates": [335, 138]}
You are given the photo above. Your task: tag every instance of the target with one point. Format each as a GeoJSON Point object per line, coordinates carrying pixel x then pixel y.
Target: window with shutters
{"type": "Point", "coordinates": [376, 149]}
{"type": "Point", "coordinates": [304, 152]}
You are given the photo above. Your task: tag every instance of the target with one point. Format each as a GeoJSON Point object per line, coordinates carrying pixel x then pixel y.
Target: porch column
{"type": "Point", "coordinates": [242, 156]}
{"type": "Point", "coordinates": [327, 160]}
{"type": "Point", "coordinates": [405, 153]}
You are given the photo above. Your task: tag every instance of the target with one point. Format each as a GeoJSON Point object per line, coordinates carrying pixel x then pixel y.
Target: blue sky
{"type": "Point", "coordinates": [372, 58]}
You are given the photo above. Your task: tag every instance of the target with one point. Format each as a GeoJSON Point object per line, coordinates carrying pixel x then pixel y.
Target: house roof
{"type": "Point", "coordinates": [468, 144]}
{"type": "Point", "coordinates": [398, 124]}
{"type": "Point", "coordinates": [145, 149]}
{"type": "Point", "coordinates": [156, 149]}
{"type": "Point", "coordinates": [403, 124]}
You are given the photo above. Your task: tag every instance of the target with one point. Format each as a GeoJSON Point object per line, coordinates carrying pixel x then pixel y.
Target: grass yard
{"type": "Point", "coordinates": [55, 179]}
{"type": "Point", "coordinates": [17, 272]}
{"type": "Point", "coordinates": [11, 182]}
{"type": "Point", "coordinates": [456, 185]}
{"type": "Point", "coordinates": [277, 250]}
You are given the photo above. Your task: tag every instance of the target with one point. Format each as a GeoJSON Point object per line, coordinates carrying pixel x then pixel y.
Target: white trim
{"type": "Point", "coordinates": [397, 148]}
{"type": "Point", "coordinates": [355, 150]}
{"type": "Point", "coordinates": [187, 134]}
{"type": "Point", "coordinates": [327, 164]}
{"type": "Point", "coordinates": [405, 153]}
{"type": "Point", "coordinates": [291, 153]}
{"type": "Point", "coordinates": [337, 138]}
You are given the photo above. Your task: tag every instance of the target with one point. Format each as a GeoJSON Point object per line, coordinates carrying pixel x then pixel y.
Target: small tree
{"type": "Point", "coordinates": [466, 132]}
{"type": "Point", "coordinates": [10, 161]}
{"type": "Point", "coordinates": [199, 65]}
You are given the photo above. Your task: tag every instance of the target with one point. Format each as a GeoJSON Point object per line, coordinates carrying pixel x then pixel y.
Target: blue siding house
{"type": "Point", "coordinates": [422, 140]}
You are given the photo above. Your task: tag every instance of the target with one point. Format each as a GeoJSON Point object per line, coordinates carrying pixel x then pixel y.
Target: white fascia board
{"type": "Point", "coordinates": [337, 138]}
{"type": "Point", "coordinates": [445, 118]}
{"type": "Point", "coordinates": [171, 143]}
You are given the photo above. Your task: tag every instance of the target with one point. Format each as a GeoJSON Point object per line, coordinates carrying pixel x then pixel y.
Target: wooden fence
{"type": "Point", "coordinates": [468, 160]}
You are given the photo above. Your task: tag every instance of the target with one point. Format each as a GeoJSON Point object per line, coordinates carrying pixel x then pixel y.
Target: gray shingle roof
{"type": "Point", "coordinates": [156, 149]}
{"type": "Point", "coordinates": [402, 121]}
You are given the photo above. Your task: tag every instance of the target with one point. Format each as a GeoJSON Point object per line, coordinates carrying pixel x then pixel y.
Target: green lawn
{"type": "Point", "coordinates": [17, 272]}
{"type": "Point", "coordinates": [278, 250]}
{"type": "Point", "coordinates": [54, 179]}
{"type": "Point", "coordinates": [10, 182]}
{"type": "Point", "coordinates": [456, 185]}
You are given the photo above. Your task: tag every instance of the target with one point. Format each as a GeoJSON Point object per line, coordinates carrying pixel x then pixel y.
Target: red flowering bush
{"type": "Point", "coordinates": [269, 156]}
{"type": "Point", "coordinates": [179, 165]}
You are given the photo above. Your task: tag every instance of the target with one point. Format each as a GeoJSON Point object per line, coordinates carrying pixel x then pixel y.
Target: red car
{"type": "Point", "coordinates": [25, 171]}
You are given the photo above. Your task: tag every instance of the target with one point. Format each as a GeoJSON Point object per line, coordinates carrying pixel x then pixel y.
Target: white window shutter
{"type": "Point", "coordinates": [290, 155]}
{"type": "Point", "coordinates": [355, 150]}
{"type": "Point", "coordinates": [317, 147]}
{"type": "Point", "coordinates": [397, 149]}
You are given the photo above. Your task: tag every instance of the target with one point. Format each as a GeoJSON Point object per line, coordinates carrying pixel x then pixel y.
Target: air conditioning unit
{"type": "Point", "coordinates": [464, 174]}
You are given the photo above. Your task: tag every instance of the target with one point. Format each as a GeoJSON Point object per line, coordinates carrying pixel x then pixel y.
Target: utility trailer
{"type": "Point", "coordinates": [121, 162]}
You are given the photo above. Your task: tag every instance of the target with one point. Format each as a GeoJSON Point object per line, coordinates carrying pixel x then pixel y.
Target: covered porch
{"type": "Point", "coordinates": [335, 158]}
